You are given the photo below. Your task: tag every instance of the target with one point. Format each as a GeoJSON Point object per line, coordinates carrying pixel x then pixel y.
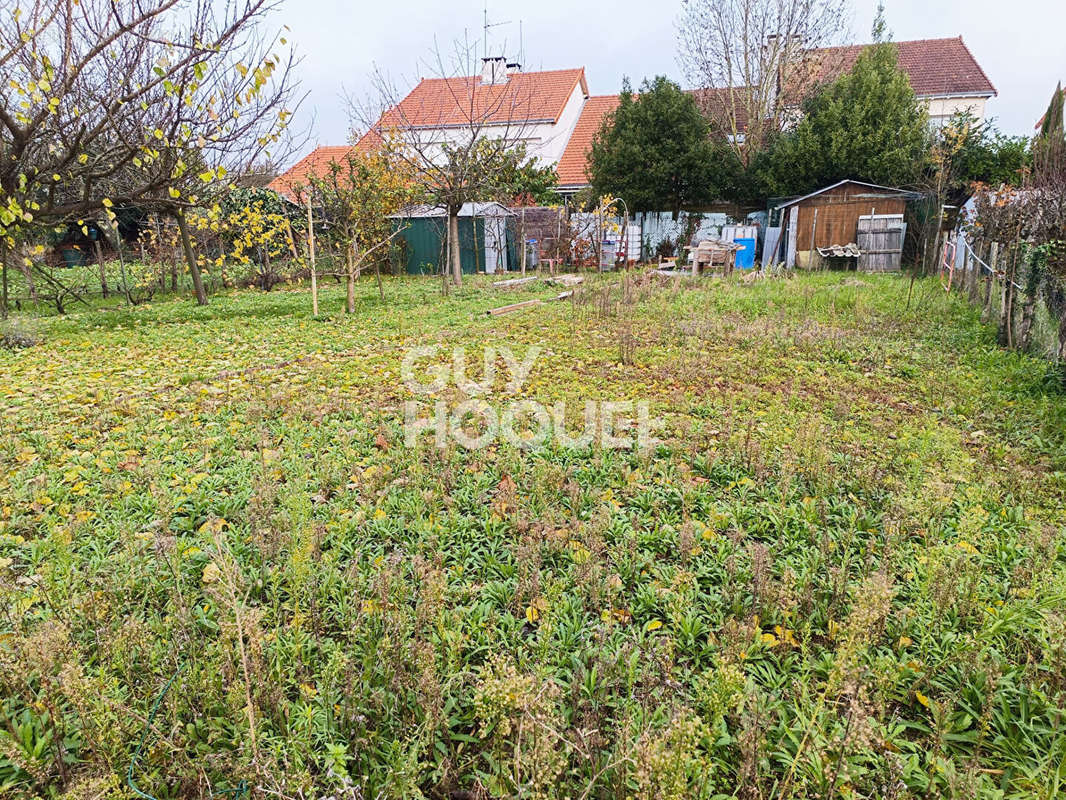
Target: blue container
{"type": "Point", "coordinates": [746, 257]}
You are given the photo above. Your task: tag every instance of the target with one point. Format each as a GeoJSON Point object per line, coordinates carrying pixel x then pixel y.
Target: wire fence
{"type": "Point", "coordinates": [1014, 290]}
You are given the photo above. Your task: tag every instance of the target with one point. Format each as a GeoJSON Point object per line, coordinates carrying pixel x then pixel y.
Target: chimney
{"type": "Point", "coordinates": [513, 67]}
{"type": "Point", "coordinates": [493, 70]}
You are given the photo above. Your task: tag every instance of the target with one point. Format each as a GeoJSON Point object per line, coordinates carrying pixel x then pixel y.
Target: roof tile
{"type": "Point", "coordinates": [934, 66]}
{"type": "Point", "coordinates": [313, 165]}
{"type": "Point", "coordinates": [523, 97]}
{"type": "Point", "coordinates": [573, 166]}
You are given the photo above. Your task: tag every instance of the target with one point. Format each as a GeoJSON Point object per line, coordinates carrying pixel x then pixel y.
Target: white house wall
{"type": "Point", "coordinates": [943, 108]}
{"type": "Point", "coordinates": [554, 142]}
{"type": "Point", "coordinates": [544, 140]}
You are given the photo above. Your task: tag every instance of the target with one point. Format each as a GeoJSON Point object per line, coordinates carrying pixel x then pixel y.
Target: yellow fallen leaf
{"type": "Point", "coordinates": [653, 625]}
{"type": "Point", "coordinates": [211, 573]}
{"type": "Point", "coordinates": [922, 698]}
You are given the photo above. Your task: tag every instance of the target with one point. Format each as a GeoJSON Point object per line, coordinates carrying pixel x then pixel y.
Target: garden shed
{"type": "Point", "coordinates": [812, 227]}
{"type": "Point", "coordinates": [483, 238]}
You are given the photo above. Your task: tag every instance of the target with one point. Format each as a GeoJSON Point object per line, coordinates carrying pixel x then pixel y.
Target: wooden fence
{"type": "Point", "coordinates": [999, 277]}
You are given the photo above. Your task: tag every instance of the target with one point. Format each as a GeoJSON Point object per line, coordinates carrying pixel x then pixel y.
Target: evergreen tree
{"type": "Point", "coordinates": [880, 30]}
{"type": "Point", "coordinates": [655, 151]}
{"type": "Point", "coordinates": [1049, 146]}
{"type": "Point", "coordinates": [867, 125]}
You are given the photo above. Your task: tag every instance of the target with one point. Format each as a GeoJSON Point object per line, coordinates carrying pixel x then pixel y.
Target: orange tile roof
{"type": "Point", "coordinates": [573, 166]}
{"type": "Point", "coordinates": [313, 165]}
{"type": "Point", "coordinates": [444, 102]}
{"type": "Point", "coordinates": [523, 97]}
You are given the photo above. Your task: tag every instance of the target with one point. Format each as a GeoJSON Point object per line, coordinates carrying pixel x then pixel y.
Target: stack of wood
{"type": "Point", "coordinates": [714, 252]}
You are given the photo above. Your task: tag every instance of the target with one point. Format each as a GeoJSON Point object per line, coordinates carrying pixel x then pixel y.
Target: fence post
{"type": "Point", "coordinates": [990, 288]}
{"type": "Point", "coordinates": [311, 258]}
{"type": "Point", "coordinates": [970, 265]}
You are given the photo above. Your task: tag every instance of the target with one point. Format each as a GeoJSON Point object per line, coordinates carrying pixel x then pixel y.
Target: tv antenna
{"type": "Point", "coordinates": [485, 29]}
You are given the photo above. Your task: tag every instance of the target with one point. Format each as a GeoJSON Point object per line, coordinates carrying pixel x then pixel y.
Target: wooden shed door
{"type": "Point", "coordinates": [881, 240]}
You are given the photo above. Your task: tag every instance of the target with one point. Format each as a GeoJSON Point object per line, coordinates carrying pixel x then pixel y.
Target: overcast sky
{"type": "Point", "coordinates": [1018, 43]}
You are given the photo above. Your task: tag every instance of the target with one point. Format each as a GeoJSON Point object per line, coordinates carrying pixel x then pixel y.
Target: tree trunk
{"type": "Point", "coordinates": [121, 264]}
{"type": "Point", "coordinates": [350, 262]}
{"type": "Point", "coordinates": [190, 259]}
{"type": "Point", "coordinates": [454, 253]}
{"type": "Point", "coordinates": [3, 278]}
{"type": "Point", "coordinates": [27, 273]}
{"type": "Point", "coordinates": [311, 259]}
{"type": "Point", "coordinates": [100, 264]}
{"type": "Point", "coordinates": [1062, 344]}
{"type": "Point", "coordinates": [269, 267]}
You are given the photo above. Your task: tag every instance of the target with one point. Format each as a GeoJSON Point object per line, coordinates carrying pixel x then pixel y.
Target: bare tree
{"type": "Point", "coordinates": [464, 134]}
{"type": "Point", "coordinates": [143, 103]}
{"type": "Point", "coordinates": [753, 59]}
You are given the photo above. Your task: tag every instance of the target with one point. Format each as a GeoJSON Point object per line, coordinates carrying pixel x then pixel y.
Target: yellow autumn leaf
{"type": "Point", "coordinates": [213, 525]}
{"type": "Point", "coordinates": [653, 625]}
{"type": "Point", "coordinates": [922, 698]}
{"type": "Point", "coordinates": [532, 614]}
{"type": "Point", "coordinates": [211, 573]}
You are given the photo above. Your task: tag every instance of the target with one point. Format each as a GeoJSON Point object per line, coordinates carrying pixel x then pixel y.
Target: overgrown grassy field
{"type": "Point", "coordinates": [841, 573]}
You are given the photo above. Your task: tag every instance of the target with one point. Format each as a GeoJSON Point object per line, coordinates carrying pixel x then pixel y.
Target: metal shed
{"type": "Point", "coordinates": [483, 238]}
{"type": "Point", "coordinates": [848, 212]}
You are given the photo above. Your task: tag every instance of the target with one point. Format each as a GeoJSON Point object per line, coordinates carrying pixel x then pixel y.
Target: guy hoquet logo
{"type": "Point", "coordinates": [477, 422]}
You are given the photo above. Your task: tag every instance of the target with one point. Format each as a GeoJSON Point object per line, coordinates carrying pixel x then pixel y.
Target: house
{"type": "Point", "coordinates": [848, 212]}
{"type": "Point", "coordinates": [573, 165]}
{"type": "Point", "coordinates": [554, 115]}
{"type": "Point", "coordinates": [943, 74]}
{"type": "Point", "coordinates": [314, 165]}
{"type": "Point", "coordinates": [539, 109]}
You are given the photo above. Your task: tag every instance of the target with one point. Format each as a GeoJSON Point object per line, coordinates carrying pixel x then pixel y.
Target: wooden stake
{"type": "Point", "coordinates": [523, 237]}
{"type": "Point", "coordinates": [100, 264]}
{"type": "Point", "coordinates": [311, 257]}
{"type": "Point", "coordinates": [494, 312]}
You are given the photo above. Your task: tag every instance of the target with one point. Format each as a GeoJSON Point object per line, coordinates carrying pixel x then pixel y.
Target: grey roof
{"type": "Point", "coordinates": [468, 210]}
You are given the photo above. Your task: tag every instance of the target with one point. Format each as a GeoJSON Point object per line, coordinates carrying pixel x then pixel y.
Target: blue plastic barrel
{"type": "Point", "coordinates": [746, 257]}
